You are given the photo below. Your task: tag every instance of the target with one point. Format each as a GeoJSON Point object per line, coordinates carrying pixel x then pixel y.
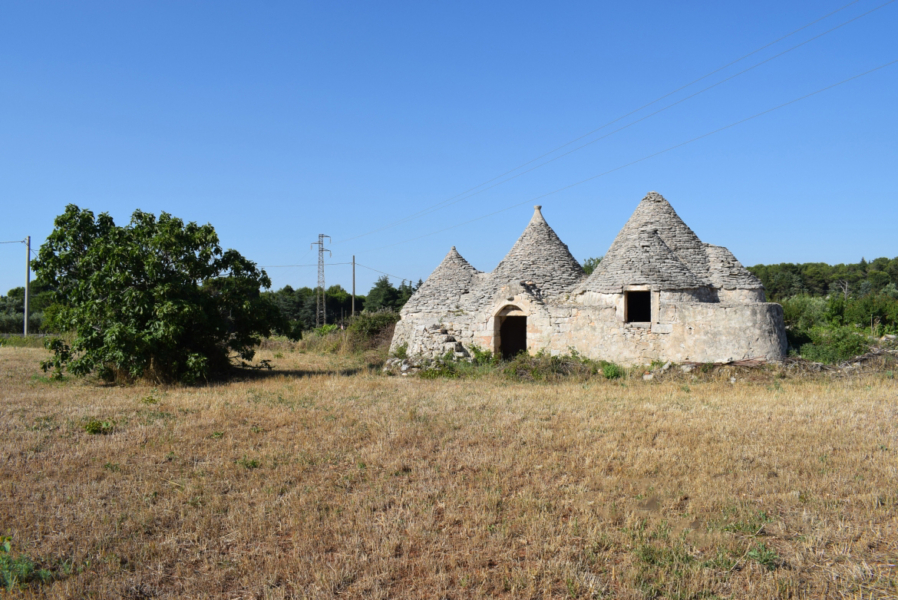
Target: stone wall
{"type": "Point", "coordinates": [684, 331]}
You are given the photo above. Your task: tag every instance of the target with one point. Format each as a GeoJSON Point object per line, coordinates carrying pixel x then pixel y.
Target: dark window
{"type": "Point", "coordinates": [639, 307]}
{"type": "Point", "coordinates": [513, 336]}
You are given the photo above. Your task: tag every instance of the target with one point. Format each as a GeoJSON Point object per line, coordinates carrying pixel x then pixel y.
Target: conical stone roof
{"type": "Point", "coordinates": [445, 287]}
{"type": "Point", "coordinates": [541, 257]}
{"type": "Point", "coordinates": [656, 214]}
{"type": "Point", "coordinates": [725, 272]}
{"type": "Point", "coordinates": [641, 259]}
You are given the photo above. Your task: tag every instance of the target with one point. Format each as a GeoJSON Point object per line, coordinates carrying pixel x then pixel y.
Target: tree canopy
{"type": "Point", "coordinates": [156, 298]}
{"type": "Point", "coordinates": [819, 279]}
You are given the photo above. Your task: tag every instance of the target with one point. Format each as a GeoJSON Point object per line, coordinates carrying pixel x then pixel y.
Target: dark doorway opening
{"type": "Point", "coordinates": [639, 307]}
{"type": "Point", "coordinates": [512, 336]}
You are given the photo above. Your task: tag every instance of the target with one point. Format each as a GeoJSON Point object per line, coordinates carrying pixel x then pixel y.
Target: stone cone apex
{"type": "Point", "coordinates": [642, 259]}
{"type": "Point", "coordinates": [540, 256]}
{"type": "Point", "coordinates": [452, 279]}
{"type": "Point", "coordinates": [728, 273]}
{"type": "Point", "coordinates": [653, 213]}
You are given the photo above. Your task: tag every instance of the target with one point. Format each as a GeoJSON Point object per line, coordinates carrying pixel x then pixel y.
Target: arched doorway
{"type": "Point", "coordinates": [511, 332]}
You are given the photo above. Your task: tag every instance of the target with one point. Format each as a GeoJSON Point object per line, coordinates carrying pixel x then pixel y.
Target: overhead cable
{"type": "Point", "coordinates": [382, 272]}
{"type": "Point", "coordinates": [471, 191]}
{"type": "Point", "coordinates": [644, 158]}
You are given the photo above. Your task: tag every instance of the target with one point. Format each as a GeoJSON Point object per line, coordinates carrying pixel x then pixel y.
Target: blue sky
{"type": "Point", "coordinates": [278, 121]}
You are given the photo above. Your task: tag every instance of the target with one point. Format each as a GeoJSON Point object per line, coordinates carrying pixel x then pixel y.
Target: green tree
{"type": "Point", "coordinates": [156, 298]}
{"type": "Point", "coordinates": [590, 264]}
{"type": "Point", "coordinates": [382, 295]}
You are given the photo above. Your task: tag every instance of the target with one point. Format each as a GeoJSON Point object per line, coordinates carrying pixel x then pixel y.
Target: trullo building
{"type": "Point", "coordinates": [659, 293]}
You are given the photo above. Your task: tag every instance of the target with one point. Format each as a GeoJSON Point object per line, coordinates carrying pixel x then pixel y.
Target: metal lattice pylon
{"type": "Point", "coordinates": [320, 304]}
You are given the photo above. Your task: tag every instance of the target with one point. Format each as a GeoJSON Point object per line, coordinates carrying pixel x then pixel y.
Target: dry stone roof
{"type": "Point", "coordinates": [642, 259]}
{"type": "Point", "coordinates": [655, 248]}
{"type": "Point", "coordinates": [728, 273]}
{"type": "Point", "coordinates": [705, 265]}
{"type": "Point", "coordinates": [446, 286]}
{"type": "Point", "coordinates": [539, 256]}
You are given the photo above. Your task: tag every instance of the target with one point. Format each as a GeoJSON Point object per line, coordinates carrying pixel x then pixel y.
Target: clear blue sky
{"type": "Point", "coordinates": [277, 121]}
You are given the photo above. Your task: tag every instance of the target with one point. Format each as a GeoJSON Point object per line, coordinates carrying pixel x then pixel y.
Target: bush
{"type": "Point", "coordinates": [832, 345]}
{"type": "Point", "coordinates": [483, 357]}
{"type": "Point", "coordinates": [612, 371]}
{"type": "Point", "coordinates": [326, 330]}
{"type": "Point", "coordinates": [369, 324]}
{"type": "Point", "coordinates": [804, 312]}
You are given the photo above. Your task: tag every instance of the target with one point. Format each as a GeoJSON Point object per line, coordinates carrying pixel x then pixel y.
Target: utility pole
{"type": "Point", "coordinates": [320, 300]}
{"type": "Point", "coordinates": [353, 285]}
{"type": "Point", "coordinates": [27, 278]}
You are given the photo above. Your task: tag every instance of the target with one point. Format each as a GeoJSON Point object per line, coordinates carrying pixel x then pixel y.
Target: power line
{"type": "Point", "coordinates": [384, 272]}
{"type": "Point", "coordinates": [14, 242]}
{"type": "Point", "coordinates": [309, 265]}
{"type": "Point", "coordinates": [468, 193]}
{"type": "Point", "coordinates": [660, 110]}
{"type": "Point", "coordinates": [644, 158]}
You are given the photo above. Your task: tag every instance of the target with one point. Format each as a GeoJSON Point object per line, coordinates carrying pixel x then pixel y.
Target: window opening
{"type": "Point", "coordinates": [639, 307]}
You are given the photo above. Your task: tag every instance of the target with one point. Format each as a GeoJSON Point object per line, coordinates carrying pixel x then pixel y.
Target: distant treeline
{"type": "Point", "coordinates": [786, 280]}
{"type": "Point", "coordinates": [298, 305]}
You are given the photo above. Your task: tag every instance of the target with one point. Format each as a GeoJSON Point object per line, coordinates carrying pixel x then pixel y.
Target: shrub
{"type": "Point", "coordinates": [483, 357]}
{"type": "Point", "coordinates": [835, 344]}
{"type": "Point", "coordinates": [326, 329]}
{"type": "Point", "coordinates": [804, 312]}
{"type": "Point", "coordinates": [612, 371]}
{"type": "Point", "coordinates": [369, 324]}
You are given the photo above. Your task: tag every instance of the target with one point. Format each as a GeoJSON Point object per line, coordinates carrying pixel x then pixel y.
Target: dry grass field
{"type": "Point", "coordinates": [326, 479]}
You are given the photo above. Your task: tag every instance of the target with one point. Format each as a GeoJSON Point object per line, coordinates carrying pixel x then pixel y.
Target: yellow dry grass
{"type": "Point", "coordinates": [320, 480]}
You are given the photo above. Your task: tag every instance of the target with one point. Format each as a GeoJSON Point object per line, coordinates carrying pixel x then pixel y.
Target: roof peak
{"type": "Point", "coordinates": [538, 216]}
{"type": "Point", "coordinates": [654, 197]}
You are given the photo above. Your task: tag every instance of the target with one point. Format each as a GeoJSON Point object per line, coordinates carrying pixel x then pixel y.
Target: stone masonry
{"type": "Point", "coordinates": [697, 302]}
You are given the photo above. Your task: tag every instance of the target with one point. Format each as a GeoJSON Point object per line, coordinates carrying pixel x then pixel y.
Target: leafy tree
{"type": "Point", "coordinates": [156, 298]}
{"type": "Point", "coordinates": [590, 264]}
{"type": "Point", "coordinates": [382, 295]}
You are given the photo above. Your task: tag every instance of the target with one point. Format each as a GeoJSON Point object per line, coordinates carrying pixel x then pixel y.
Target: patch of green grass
{"type": "Point", "coordinates": [18, 341]}
{"type": "Point", "coordinates": [248, 463]}
{"type": "Point", "coordinates": [19, 571]}
{"type": "Point", "coordinates": [741, 519]}
{"type": "Point", "coordinates": [764, 556]}
{"type": "Point", "coordinates": [216, 435]}
{"type": "Point", "coordinates": [114, 467]}
{"type": "Point", "coordinates": [96, 427]}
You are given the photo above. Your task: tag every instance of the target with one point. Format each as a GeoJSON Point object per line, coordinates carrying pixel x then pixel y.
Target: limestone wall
{"type": "Point", "coordinates": [685, 332]}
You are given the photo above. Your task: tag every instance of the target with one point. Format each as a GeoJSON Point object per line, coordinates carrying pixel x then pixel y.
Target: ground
{"type": "Point", "coordinates": [325, 478]}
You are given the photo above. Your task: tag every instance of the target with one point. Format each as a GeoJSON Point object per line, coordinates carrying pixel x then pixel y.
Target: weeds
{"type": "Point", "coordinates": [96, 427]}
{"type": "Point", "coordinates": [248, 463]}
{"type": "Point", "coordinates": [19, 571]}
{"type": "Point", "coordinates": [764, 556]}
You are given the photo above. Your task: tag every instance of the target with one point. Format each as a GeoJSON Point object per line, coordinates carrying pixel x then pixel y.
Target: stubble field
{"type": "Point", "coordinates": [326, 479]}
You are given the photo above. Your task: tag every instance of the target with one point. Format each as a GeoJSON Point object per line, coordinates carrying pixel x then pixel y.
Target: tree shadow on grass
{"type": "Point", "coordinates": [244, 374]}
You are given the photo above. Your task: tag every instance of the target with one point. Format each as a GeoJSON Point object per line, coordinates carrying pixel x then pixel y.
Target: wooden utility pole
{"type": "Point", "coordinates": [27, 279]}
{"type": "Point", "coordinates": [353, 285]}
